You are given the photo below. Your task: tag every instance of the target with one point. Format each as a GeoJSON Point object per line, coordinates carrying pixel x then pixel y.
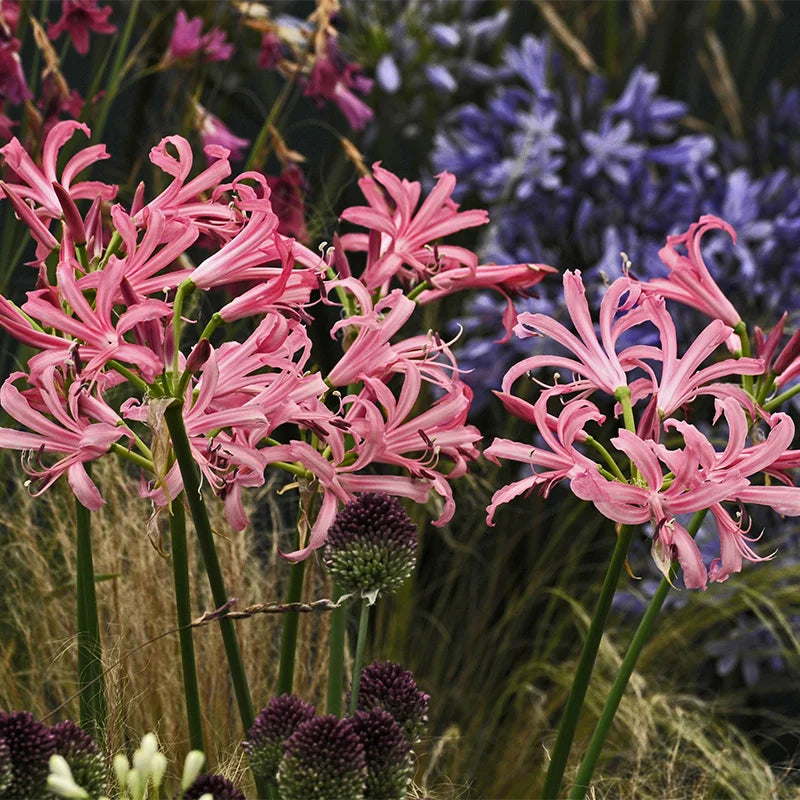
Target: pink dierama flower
{"type": "Point", "coordinates": [689, 280]}
{"type": "Point", "coordinates": [596, 364]}
{"type": "Point", "coordinates": [66, 421]}
{"type": "Point", "coordinates": [188, 41]}
{"type": "Point", "coordinates": [402, 238]}
{"type": "Point", "coordinates": [213, 131]}
{"type": "Point", "coordinates": [78, 17]}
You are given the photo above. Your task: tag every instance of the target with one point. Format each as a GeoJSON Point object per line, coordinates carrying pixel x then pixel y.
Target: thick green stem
{"type": "Point", "coordinates": [640, 638]}
{"type": "Point", "coordinates": [583, 673]}
{"type": "Point", "coordinates": [361, 642]}
{"type": "Point", "coordinates": [90, 666]}
{"type": "Point", "coordinates": [183, 605]}
{"type": "Point", "coordinates": [291, 623]}
{"type": "Point", "coordinates": [336, 657]}
{"type": "Point", "coordinates": [191, 484]}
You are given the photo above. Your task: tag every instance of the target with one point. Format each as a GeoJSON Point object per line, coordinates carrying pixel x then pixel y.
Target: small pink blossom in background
{"type": "Point", "coordinates": [334, 79]}
{"type": "Point", "coordinates": [13, 85]}
{"type": "Point", "coordinates": [271, 51]}
{"type": "Point", "coordinates": [78, 17]}
{"type": "Point", "coordinates": [288, 200]}
{"type": "Point", "coordinates": [187, 41]}
{"type": "Point", "coordinates": [213, 131]}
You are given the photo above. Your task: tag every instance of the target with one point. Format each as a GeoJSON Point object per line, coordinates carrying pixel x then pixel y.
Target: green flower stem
{"type": "Point", "coordinates": [418, 290]}
{"type": "Point", "coordinates": [90, 667]}
{"type": "Point", "coordinates": [363, 623]}
{"type": "Point", "coordinates": [113, 245]}
{"type": "Point", "coordinates": [583, 673]}
{"type": "Point", "coordinates": [131, 376]}
{"type": "Point", "coordinates": [183, 605]}
{"type": "Point", "coordinates": [640, 638]}
{"type": "Point", "coordinates": [191, 484]}
{"type": "Point", "coordinates": [291, 623]}
{"type": "Point", "coordinates": [336, 657]}
{"type": "Point", "coordinates": [187, 287]}
{"type": "Point", "coordinates": [779, 399]}
{"type": "Point", "coordinates": [592, 442]}
{"type": "Point", "coordinates": [140, 461]}
{"type": "Point", "coordinates": [741, 330]}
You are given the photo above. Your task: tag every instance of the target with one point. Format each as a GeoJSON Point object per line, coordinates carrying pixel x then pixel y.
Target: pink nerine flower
{"type": "Point", "coordinates": [80, 428]}
{"type": "Point", "coordinates": [596, 363]}
{"type": "Point", "coordinates": [689, 280]}
{"type": "Point", "coordinates": [403, 238]}
{"type": "Point", "coordinates": [78, 17]}
{"type": "Point", "coordinates": [187, 40]}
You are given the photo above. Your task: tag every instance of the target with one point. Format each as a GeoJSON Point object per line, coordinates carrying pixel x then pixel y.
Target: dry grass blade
{"type": "Point", "coordinates": [566, 36]}
{"type": "Point", "coordinates": [715, 65]}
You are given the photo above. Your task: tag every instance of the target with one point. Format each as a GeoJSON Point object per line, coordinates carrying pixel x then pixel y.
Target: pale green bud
{"type": "Point", "coordinates": [158, 766]}
{"type": "Point", "coordinates": [191, 768]}
{"type": "Point", "coordinates": [121, 769]}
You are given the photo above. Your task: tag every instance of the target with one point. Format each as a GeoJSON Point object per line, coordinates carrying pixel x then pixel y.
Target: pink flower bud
{"type": "Point", "coordinates": [72, 217]}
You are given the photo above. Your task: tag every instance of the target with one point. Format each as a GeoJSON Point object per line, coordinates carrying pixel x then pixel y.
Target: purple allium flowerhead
{"type": "Point", "coordinates": [6, 769]}
{"type": "Point", "coordinates": [272, 727]}
{"type": "Point", "coordinates": [30, 744]}
{"type": "Point", "coordinates": [85, 760]}
{"type": "Point", "coordinates": [390, 687]}
{"type": "Point", "coordinates": [218, 787]}
{"type": "Point", "coordinates": [323, 758]}
{"type": "Point", "coordinates": [388, 753]}
{"type": "Point", "coordinates": [372, 545]}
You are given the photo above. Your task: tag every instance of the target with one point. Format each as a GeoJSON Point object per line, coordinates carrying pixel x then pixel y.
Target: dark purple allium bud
{"type": "Point", "coordinates": [323, 758]}
{"type": "Point", "coordinates": [390, 687]}
{"type": "Point", "coordinates": [30, 744]}
{"type": "Point", "coordinates": [83, 756]}
{"type": "Point", "coordinates": [198, 356]}
{"type": "Point", "coordinates": [273, 726]}
{"type": "Point", "coordinates": [218, 787]}
{"type": "Point", "coordinates": [6, 770]}
{"type": "Point", "coordinates": [371, 545]}
{"type": "Point", "coordinates": [388, 754]}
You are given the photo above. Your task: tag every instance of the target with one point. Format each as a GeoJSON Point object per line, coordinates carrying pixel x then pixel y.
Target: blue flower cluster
{"type": "Point", "coordinates": [572, 177]}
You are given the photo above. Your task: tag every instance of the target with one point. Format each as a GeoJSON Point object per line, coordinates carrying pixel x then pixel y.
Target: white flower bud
{"type": "Point", "coordinates": [64, 786]}
{"type": "Point", "coordinates": [144, 754]}
{"type": "Point", "coordinates": [121, 768]}
{"type": "Point", "coordinates": [59, 766]}
{"type": "Point", "coordinates": [191, 768]}
{"type": "Point", "coordinates": [158, 766]}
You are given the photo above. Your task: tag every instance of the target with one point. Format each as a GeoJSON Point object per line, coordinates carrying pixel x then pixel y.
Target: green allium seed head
{"type": "Point", "coordinates": [372, 545]}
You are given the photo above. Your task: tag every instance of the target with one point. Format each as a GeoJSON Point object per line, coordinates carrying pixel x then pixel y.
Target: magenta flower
{"type": "Point", "coordinates": [188, 40]}
{"type": "Point", "coordinates": [214, 132]}
{"type": "Point", "coordinates": [332, 78]}
{"type": "Point", "coordinates": [13, 85]}
{"type": "Point", "coordinates": [689, 280]}
{"type": "Point", "coordinates": [78, 17]}
{"type": "Point", "coordinates": [80, 428]}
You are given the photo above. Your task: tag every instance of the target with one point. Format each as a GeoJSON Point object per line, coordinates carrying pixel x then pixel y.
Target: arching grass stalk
{"type": "Point", "coordinates": [336, 657]}
{"type": "Point", "coordinates": [183, 605]}
{"type": "Point", "coordinates": [363, 623]}
{"type": "Point", "coordinates": [197, 506]}
{"type": "Point", "coordinates": [90, 667]}
{"type": "Point", "coordinates": [583, 672]}
{"type": "Point", "coordinates": [640, 638]}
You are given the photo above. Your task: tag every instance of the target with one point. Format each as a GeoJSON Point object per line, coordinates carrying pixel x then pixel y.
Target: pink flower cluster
{"type": "Point", "coordinates": [113, 347]}
{"type": "Point", "coordinates": [675, 467]}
